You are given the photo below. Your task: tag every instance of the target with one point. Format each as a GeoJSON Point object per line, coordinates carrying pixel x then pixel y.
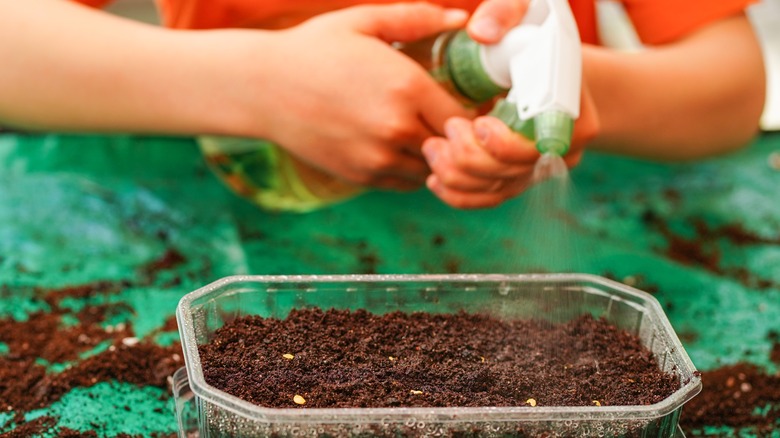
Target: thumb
{"type": "Point", "coordinates": [502, 143]}
{"type": "Point", "coordinates": [403, 21]}
{"type": "Point", "coordinates": [493, 19]}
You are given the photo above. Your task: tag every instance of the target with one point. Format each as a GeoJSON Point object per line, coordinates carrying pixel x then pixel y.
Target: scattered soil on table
{"type": "Point", "coordinates": [672, 195]}
{"type": "Point", "coordinates": [26, 385]}
{"type": "Point", "coordinates": [169, 325]}
{"type": "Point", "coordinates": [44, 335]}
{"type": "Point", "coordinates": [54, 297]}
{"type": "Point", "coordinates": [740, 395]}
{"type": "Point", "coordinates": [65, 432]}
{"type": "Point", "coordinates": [774, 354]}
{"type": "Point", "coordinates": [169, 260]}
{"type": "Point", "coordinates": [368, 260]}
{"type": "Point", "coordinates": [337, 358]}
{"type": "Point", "coordinates": [144, 364]}
{"type": "Point", "coordinates": [148, 274]}
{"type": "Point", "coordinates": [36, 427]}
{"type": "Point", "coordinates": [65, 335]}
{"type": "Point", "coordinates": [702, 248]}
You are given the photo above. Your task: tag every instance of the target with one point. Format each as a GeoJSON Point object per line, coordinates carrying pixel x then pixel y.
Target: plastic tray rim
{"type": "Point", "coordinates": [458, 414]}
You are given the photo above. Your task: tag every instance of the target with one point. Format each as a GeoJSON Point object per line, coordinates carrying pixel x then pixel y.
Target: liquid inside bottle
{"type": "Point", "coordinates": [270, 177]}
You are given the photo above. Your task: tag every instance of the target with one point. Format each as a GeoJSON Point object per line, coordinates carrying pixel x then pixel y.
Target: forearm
{"type": "Point", "coordinates": [68, 68]}
{"type": "Point", "coordinates": [698, 97]}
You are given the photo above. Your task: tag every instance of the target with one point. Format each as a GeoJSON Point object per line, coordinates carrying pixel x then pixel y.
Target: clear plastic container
{"type": "Point", "coordinates": [208, 412]}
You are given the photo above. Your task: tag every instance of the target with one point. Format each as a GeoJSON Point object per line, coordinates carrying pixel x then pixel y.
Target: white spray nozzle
{"type": "Point", "coordinates": [540, 62]}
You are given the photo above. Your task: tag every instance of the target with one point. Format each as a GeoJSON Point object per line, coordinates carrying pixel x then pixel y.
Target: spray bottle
{"type": "Point", "coordinates": [539, 63]}
{"type": "Point", "coordinates": [537, 66]}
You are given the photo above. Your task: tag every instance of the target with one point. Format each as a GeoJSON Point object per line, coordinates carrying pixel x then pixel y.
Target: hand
{"type": "Point", "coordinates": [482, 163]}
{"type": "Point", "coordinates": [349, 103]}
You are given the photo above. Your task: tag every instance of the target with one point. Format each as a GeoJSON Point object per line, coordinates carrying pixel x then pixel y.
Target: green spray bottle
{"type": "Point", "coordinates": [537, 67]}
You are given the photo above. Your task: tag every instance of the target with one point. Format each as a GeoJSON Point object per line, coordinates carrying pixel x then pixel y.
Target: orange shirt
{"type": "Point", "coordinates": [656, 21]}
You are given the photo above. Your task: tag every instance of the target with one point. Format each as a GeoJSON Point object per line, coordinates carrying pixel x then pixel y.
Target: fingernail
{"type": "Point", "coordinates": [430, 154]}
{"type": "Point", "coordinates": [482, 132]}
{"type": "Point", "coordinates": [450, 130]}
{"type": "Point", "coordinates": [455, 17]}
{"type": "Point", "coordinates": [486, 28]}
{"type": "Point", "coordinates": [432, 183]}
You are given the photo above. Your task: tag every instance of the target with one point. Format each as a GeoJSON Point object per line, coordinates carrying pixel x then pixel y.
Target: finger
{"type": "Point", "coordinates": [436, 151]}
{"type": "Point", "coordinates": [493, 19]}
{"type": "Point", "coordinates": [436, 106]}
{"type": "Point", "coordinates": [413, 146]}
{"type": "Point", "coordinates": [402, 22]}
{"type": "Point", "coordinates": [467, 152]}
{"type": "Point", "coordinates": [503, 144]}
{"type": "Point", "coordinates": [467, 200]}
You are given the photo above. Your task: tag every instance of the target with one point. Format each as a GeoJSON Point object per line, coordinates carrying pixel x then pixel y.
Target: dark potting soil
{"type": "Point", "coordinates": [703, 248]}
{"type": "Point", "coordinates": [739, 395]}
{"type": "Point", "coordinates": [26, 385]}
{"type": "Point", "coordinates": [338, 358]}
{"type": "Point", "coordinates": [62, 335]}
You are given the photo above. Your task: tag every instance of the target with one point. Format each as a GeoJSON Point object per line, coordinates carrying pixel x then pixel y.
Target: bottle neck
{"type": "Point", "coordinates": [552, 130]}
{"type": "Point", "coordinates": [463, 60]}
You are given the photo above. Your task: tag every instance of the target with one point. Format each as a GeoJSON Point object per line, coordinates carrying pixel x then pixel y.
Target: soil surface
{"type": "Point", "coordinates": [740, 395]}
{"type": "Point", "coordinates": [338, 358]}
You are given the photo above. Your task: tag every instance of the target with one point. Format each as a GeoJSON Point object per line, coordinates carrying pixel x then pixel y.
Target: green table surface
{"type": "Point", "coordinates": [78, 209]}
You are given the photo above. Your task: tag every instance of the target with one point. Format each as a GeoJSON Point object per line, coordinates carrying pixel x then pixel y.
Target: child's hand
{"type": "Point", "coordinates": [482, 163]}
{"type": "Point", "coordinates": [351, 104]}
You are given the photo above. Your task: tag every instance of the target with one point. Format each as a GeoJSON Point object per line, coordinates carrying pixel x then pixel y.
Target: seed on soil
{"type": "Point", "coordinates": [596, 402]}
{"type": "Point", "coordinates": [531, 402]}
{"type": "Point", "coordinates": [288, 356]}
{"type": "Point", "coordinates": [482, 359]}
{"type": "Point", "coordinates": [391, 358]}
{"type": "Point", "coordinates": [415, 392]}
{"type": "Point", "coordinates": [130, 341]}
{"type": "Point", "coordinates": [299, 400]}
